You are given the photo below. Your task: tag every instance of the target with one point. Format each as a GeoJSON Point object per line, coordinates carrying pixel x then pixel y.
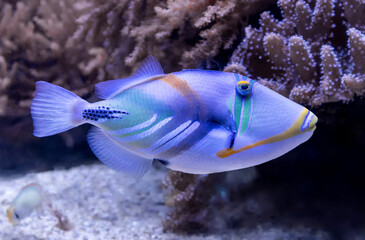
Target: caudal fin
{"type": "Point", "coordinates": [55, 109]}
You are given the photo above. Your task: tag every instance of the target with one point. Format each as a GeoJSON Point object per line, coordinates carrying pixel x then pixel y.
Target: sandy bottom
{"type": "Point", "coordinates": [102, 204]}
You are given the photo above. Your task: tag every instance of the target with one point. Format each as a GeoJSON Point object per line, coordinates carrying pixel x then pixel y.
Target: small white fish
{"type": "Point", "coordinates": [28, 199]}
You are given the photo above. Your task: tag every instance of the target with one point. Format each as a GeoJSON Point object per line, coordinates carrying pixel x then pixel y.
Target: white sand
{"type": "Point", "coordinates": [100, 204]}
{"type": "Point", "coordinates": [103, 204]}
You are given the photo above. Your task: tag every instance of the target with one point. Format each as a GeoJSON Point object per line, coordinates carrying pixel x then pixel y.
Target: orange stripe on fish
{"type": "Point", "coordinates": [294, 130]}
{"type": "Point", "coordinates": [182, 87]}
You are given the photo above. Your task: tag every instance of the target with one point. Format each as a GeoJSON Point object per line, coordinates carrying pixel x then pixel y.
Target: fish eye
{"type": "Point", "coordinates": [243, 88]}
{"type": "Point", "coordinates": [16, 215]}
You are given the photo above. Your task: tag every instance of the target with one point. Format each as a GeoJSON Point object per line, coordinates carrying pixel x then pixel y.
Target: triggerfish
{"type": "Point", "coordinates": [194, 121]}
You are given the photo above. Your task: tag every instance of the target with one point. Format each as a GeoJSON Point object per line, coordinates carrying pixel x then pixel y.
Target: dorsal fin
{"type": "Point", "coordinates": [149, 69]}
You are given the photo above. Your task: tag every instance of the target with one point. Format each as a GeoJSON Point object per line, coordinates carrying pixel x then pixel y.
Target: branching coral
{"type": "Point", "coordinates": [100, 31]}
{"type": "Point", "coordinates": [78, 43]}
{"type": "Point", "coordinates": [191, 31]}
{"type": "Point", "coordinates": [33, 35]}
{"type": "Point", "coordinates": [207, 202]}
{"type": "Point", "coordinates": [308, 56]}
{"type": "Point", "coordinates": [176, 32]}
{"type": "Point", "coordinates": [191, 196]}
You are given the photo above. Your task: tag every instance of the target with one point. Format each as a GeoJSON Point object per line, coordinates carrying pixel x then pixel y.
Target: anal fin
{"type": "Point", "coordinates": [116, 156]}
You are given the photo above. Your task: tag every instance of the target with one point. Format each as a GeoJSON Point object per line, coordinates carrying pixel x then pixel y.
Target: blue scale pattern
{"type": "Point", "coordinates": [102, 112]}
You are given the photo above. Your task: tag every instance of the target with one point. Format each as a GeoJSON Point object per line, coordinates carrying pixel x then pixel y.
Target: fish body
{"type": "Point", "coordinates": [195, 121]}
{"type": "Point", "coordinates": [28, 199]}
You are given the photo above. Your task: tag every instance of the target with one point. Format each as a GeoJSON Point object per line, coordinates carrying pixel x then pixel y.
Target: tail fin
{"type": "Point", "coordinates": [55, 109]}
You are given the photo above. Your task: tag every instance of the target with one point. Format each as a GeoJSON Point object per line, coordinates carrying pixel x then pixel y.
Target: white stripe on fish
{"type": "Point", "coordinates": [130, 130]}
{"type": "Point", "coordinates": [177, 139]}
{"type": "Point", "coordinates": [146, 133]}
{"type": "Point", "coordinates": [169, 136]}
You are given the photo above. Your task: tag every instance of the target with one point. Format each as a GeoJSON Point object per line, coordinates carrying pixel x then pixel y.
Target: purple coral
{"type": "Point", "coordinates": [308, 56]}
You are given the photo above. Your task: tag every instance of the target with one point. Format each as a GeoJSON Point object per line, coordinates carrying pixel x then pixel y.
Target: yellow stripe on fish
{"type": "Point", "coordinates": [294, 130]}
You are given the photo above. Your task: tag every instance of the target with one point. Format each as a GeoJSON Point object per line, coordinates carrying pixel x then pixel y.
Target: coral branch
{"type": "Point", "coordinates": [191, 196]}
{"type": "Point", "coordinates": [302, 58]}
{"type": "Point", "coordinates": [277, 50]}
{"type": "Point", "coordinates": [331, 71]}
{"type": "Point", "coordinates": [357, 49]}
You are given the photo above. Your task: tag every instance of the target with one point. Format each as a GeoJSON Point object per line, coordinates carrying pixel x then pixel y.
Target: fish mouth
{"type": "Point", "coordinates": [309, 123]}
{"type": "Point", "coordinates": [312, 124]}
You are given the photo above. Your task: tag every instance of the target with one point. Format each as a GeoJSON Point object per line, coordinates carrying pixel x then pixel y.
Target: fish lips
{"type": "Point", "coordinates": [309, 122]}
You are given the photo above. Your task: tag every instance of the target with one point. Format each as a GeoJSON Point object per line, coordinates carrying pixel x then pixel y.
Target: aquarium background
{"type": "Point", "coordinates": [316, 191]}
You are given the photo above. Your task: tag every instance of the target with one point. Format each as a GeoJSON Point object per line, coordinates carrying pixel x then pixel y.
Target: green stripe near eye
{"type": "Point", "coordinates": [246, 116]}
{"type": "Point", "coordinates": [242, 108]}
{"type": "Point", "coordinates": [237, 109]}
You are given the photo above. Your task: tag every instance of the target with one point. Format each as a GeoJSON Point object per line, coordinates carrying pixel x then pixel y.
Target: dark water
{"type": "Point", "coordinates": [322, 182]}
